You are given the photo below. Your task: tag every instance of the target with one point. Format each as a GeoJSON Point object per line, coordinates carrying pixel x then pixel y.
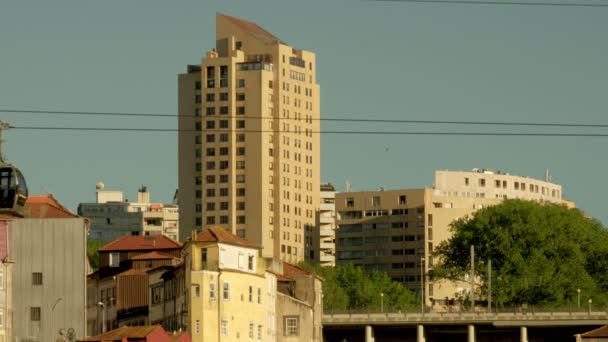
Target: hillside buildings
{"type": "Point", "coordinates": [248, 142]}
{"type": "Point", "coordinates": [215, 286]}
{"type": "Point", "coordinates": [395, 231]}
{"type": "Point", "coordinates": [112, 216]}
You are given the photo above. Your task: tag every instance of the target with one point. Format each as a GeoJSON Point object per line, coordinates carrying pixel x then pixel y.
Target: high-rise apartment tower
{"type": "Point", "coordinates": [248, 141]}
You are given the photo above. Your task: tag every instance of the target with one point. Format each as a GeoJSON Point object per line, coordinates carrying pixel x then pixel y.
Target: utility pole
{"type": "Point", "coordinates": [489, 286]}
{"type": "Point", "coordinates": [473, 278]}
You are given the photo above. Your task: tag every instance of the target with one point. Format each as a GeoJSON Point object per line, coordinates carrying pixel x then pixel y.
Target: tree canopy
{"type": "Point", "coordinates": [92, 254]}
{"type": "Point", "coordinates": [541, 253]}
{"type": "Point", "coordinates": [348, 287]}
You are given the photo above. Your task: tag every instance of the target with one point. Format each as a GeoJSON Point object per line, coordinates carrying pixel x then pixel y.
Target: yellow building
{"type": "Point", "coordinates": [248, 142]}
{"type": "Point", "coordinates": [395, 231]}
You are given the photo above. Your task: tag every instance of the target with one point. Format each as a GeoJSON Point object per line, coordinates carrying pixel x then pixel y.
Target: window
{"type": "Point", "coordinates": [240, 178]}
{"type": "Point", "coordinates": [240, 219]}
{"type": "Point", "coordinates": [375, 201]}
{"type": "Point", "coordinates": [291, 326]}
{"type": "Point", "coordinates": [223, 205]}
{"type": "Point", "coordinates": [223, 219]}
{"type": "Point", "coordinates": [210, 152]}
{"type": "Point", "coordinates": [114, 259]}
{"type": "Point", "coordinates": [210, 110]}
{"type": "Point", "coordinates": [223, 151]}
{"type": "Point", "coordinates": [198, 139]}
{"type": "Point", "coordinates": [238, 45]}
{"type": "Point", "coordinates": [251, 296]}
{"type": "Point", "coordinates": [350, 202]}
{"type": "Point", "coordinates": [36, 278]}
{"type": "Point", "coordinates": [197, 290]}
{"type": "Point", "coordinates": [223, 137]}
{"type": "Point", "coordinates": [210, 138]}
{"type": "Point", "coordinates": [240, 123]}
{"type": "Point", "coordinates": [223, 123]}
{"type": "Point", "coordinates": [210, 219]}
{"type": "Point", "coordinates": [240, 192]}
{"type": "Point", "coordinates": [250, 264]}
{"type": "Point", "coordinates": [35, 313]}
{"type": "Point", "coordinates": [197, 327]}
{"type": "Point", "coordinates": [240, 137]}
{"type": "Point", "coordinates": [259, 295]}
{"type": "Point", "coordinates": [240, 83]}
{"type": "Point", "coordinates": [240, 96]}
{"type": "Point", "coordinates": [240, 151]}
{"type": "Point", "coordinates": [223, 96]}
{"type": "Point", "coordinates": [212, 291]}
{"type": "Point", "coordinates": [210, 206]}
{"type": "Point", "coordinates": [223, 110]}
{"type": "Point", "coordinates": [402, 199]}
{"type": "Point", "coordinates": [240, 110]}
{"type": "Point", "coordinates": [223, 178]}
{"type": "Point", "coordinates": [240, 164]}
{"type": "Point", "coordinates": [224, 327]}
{"type": "Point", "coordinates": [259, 332]}
{"type": "Point", "coordinates": [497, 183]}
{"type": "Point", "coordinates": [482, 182]}
{"type": "Point", "coordinates": [251, 328]}
{"type": "Point", "coordinates": [210, 97]}
{"type": "Point", "coordinates": [203, 256]}
{"type": "Point", "coordinates": [240, 205]}
{"type": "Point", "coordinates": [226, 293]}
{"type": "Point", "coordinates": [224, 192]}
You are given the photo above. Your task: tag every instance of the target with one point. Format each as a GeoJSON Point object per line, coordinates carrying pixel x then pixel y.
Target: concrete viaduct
{"type": "Point", "coordinates": [456, 327]}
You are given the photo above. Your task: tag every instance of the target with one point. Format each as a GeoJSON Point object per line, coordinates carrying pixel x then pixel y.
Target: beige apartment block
{"type": "Point", "coordinates": [248, 142]}
{"type": "Point", "coordinates": [320, 240]}
{"type": "Point", "coordinates": [395, 231]}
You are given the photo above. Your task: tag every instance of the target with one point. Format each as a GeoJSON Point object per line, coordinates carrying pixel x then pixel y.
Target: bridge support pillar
{"type": "Point", "coordinates": [420, 334]}
{"type": "Point", "coordinates": [369, 333]}
{"type": "Point", "coordinates": [471, 333]}
{"type": "Point", "coordinates": [523, 334]}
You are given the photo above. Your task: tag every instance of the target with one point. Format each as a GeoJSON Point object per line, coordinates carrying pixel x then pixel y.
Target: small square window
{"type": "Point", "coordinates": [240, 110]}
{"type": "Point", "coordinates": [210, 97]}
{"type": "Point", "coordinates": [240, 83]}
{"type": "Point", "coordinates": [223, 110]}
{"type": "Point", "coordinates": [291, 326]}
{"type": "Point", "coordinates": [240, 192]}
{"type": "Point", "coordinates": [36, 278]}
{"type": "Point", "coordinates": [240, 96]}
{"type": "Point", "coordinates": [240, 219]}
{"type": "Point", "coordinates": [35, 313]}
{"type": "Point", "coordinates": [223, 96]}
{"type": "Point", "coordinates": [240, 124]}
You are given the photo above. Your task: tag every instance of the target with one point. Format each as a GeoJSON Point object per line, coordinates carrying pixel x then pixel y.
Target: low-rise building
{"type": "Point", "coordinates": [119, 290]}
{"type": "Point", "coordinates": [154, 333]}
{"type": "Point", "coordinates": [112, 216]}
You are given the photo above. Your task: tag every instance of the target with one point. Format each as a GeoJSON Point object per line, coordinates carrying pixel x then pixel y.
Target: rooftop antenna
{"type": "Point", "coordinates": [3, 126]}
{"type": "Point", "coordinates": [547, 175]}
{"type": "Point", "coordinates": [349, 187]}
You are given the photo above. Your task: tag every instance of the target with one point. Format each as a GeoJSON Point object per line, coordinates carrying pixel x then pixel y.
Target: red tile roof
{"type": "Point", "coordinates": [219, 234]}
{"type": "Point", "coordinates": [599, 332]}
{"type": "Point", "coordinates": [130, 333]}
{"type": "Point", "coordinates": [252, 28]}
{"type": "Point", "coordinates": [181, 337]}
{"type": "Point", "coordinates": [291, 270]}
{"type": "Point", "coordinates": [134, 271]}
{"type": "Point", "coordinates": [153, 256]}
{"type": "Point", "coordinates": [138, 243]}
{"type": "Point", "coordinates": [45, 206]}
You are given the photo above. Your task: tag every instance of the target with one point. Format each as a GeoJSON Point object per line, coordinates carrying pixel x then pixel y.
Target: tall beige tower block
{"type": "Point", "coordinates": [248, 143]}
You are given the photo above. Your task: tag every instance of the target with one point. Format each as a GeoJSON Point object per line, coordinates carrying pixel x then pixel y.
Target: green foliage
{"type": "Point", "coordinates": [541, 254]}
{"type": "Point", "coordinates": [347, 287]}
{"type": "Point", "coordinates": [92, 247]}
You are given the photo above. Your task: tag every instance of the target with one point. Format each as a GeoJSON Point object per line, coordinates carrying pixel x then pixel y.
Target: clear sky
{"type": "Point", "coordinates": [375, 60]}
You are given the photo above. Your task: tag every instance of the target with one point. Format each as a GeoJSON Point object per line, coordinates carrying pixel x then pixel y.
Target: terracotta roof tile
{"type": "Point", "coordinates": [153, 256]}
{"type": "Point", "coordinates": [291, 270]}
{"type": "Point", "coordinates": [252, 28]}
{"type": "Point", "coordinates": [219, 234]}
{"type": "Point", "coordinates": [123, 332]}
{"type": "Point", "coordinates": [134, 271]}
{"type": "Point", "coordinates": [133, 243]}
{"type": "Point", "coordinates": [599, 332]}
{"type": "Point", "coordinates": [45, 206]}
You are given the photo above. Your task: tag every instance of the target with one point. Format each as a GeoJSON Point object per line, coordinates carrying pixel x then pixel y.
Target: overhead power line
{"type": "Point", "coordinates": [173, 130]}
{"type": "Point", "coordinates": [505, 3]}
{"type": "Point", "coordinates": [328, 119]}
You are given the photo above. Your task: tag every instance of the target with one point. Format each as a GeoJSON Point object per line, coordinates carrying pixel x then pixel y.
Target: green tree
{"type": "Point", "coordinates": [540, 253]}
{"type": "Point", "coordinates": [348, 287]}
{"type": "Point", "coordinates": [92, 247]}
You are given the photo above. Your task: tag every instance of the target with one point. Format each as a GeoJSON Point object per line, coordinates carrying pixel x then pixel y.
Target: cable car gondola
{"type": "Point", "coordinates": [13, 189]}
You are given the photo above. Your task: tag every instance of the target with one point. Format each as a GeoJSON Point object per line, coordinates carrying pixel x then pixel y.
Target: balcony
{"type": "Point", "coordinates": [327, 206]}
{"type": "Point", "coordinates": [328, 245]}
{"type": "Point", "coordinates": [327, 258]}
{"type": "Point", "coordinates": [325, 220]}
{"type": "Point", "coordinates": [327, 232]}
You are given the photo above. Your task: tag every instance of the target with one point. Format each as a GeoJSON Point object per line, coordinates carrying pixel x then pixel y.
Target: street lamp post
{"type": "Point", "coordinates": [590, 301]}
{"type": "Point", "coordinates": [53, 314]}
{"type": "Point", "coordinates": [578, 298]}
{"type": "Point", "coordinates": [422, 284]}
{"type": "Point", "coordinates": [103, 316]}
{"type": "Point", "coordinates": [382, 302]}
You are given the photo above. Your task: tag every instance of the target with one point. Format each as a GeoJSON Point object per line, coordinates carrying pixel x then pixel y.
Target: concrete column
{"type": "Point", "coordinates": [523, 334]}
{"type": "Point", "coordinates": [369, 333]}
{"type": "Point", "coordinates": [420, 329]}
{"type": "Point", "coordinates": [471, 333]}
